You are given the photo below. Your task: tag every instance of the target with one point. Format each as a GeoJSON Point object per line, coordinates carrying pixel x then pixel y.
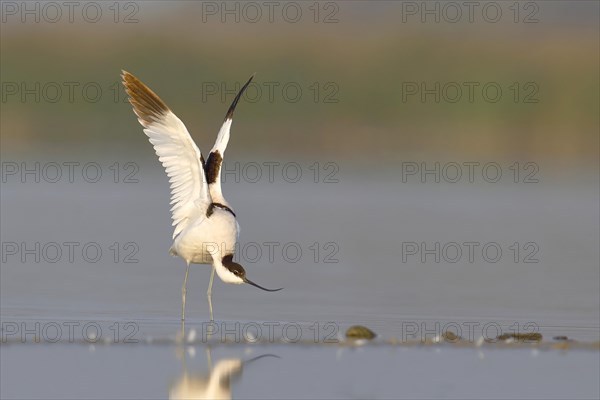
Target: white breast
{"type": "Point", "coordinates": [207, 237]}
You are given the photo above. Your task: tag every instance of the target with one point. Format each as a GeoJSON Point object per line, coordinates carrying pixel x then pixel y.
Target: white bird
{"type": "Point", "coordinates": [216, 385]}
{"type": "Point", "coordinates": [206, 229]}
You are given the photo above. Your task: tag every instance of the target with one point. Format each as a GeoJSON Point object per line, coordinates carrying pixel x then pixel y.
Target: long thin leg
{"type": "Point", "coordinates": [209, 358]}
{"type": "Point", "coordinates": [183, 293]}
{"type": "Point", "coordinates": [209, 293]}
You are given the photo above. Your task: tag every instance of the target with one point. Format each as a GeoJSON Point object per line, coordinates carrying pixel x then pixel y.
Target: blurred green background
{"type": "Point", "coordinates": [352, 60]}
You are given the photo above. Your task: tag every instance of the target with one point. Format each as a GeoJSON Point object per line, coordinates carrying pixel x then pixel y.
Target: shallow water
{"type": "Point", "coordinates": [122, 371]}
{"type": "Point", "coordinates": [350, 270]}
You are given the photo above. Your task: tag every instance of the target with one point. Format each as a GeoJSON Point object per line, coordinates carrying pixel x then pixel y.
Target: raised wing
{"type": "Point", "coordinates": [175, 149]}
{"type": "Point", "coordinates": [215, 158]}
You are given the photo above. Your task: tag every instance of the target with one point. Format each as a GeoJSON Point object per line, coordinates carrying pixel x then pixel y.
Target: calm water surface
{"type": "Point", "coordinates": [345, 254]}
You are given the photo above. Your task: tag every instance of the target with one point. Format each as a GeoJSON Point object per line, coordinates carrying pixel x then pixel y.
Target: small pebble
{"type": "Point", "coordinates": [435, 339]}
{"type": "Point", "coordinates": [560, 338]}
{"type": "Point", "coordinates": [251, 337]}
{"type": "Point", "coordinates": [564, 345]}
{"type": "Point", "coordinates": [359, 332]}
{"type": "Point", "coordinates": [451, 337]}
{"type": "Point", "coordinates": [522, 337]}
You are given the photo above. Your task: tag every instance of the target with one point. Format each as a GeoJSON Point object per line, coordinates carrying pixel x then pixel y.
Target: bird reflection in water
{"type": "Point", "coordinates": [214, 385]}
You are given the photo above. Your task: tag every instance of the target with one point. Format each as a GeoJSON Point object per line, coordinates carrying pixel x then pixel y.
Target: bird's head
{"type": "Point", "coordinates": [235, 273]}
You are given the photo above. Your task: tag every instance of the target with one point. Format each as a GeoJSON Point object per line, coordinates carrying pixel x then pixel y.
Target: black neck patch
{"type": "Point", "coordinates": [211, 209]}
{"type": "Point", "coordinates": [213, 166]}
